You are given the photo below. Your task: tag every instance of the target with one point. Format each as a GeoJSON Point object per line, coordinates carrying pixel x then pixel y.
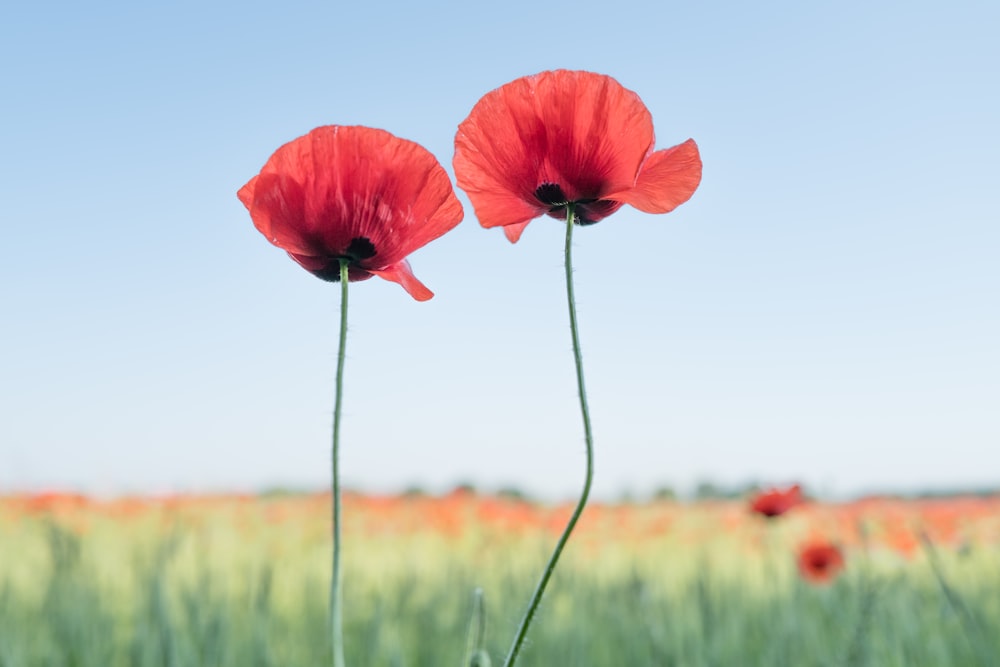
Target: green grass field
{"type": "Point", "coordinates": [243, 582]}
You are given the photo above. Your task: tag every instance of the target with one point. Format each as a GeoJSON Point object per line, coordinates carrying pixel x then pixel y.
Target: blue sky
{"type": "Point", "coordinates": [823, 310]}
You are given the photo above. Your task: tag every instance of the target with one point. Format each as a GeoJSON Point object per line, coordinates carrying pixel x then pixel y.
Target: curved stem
{"type": "Point", "coordinates": [336, 594]}
{"type": "Point", "coordinates": [536, 598]}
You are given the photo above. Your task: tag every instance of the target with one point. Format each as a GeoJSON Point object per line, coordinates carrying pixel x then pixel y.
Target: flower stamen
{"type": "Point", "coordinates": [551, 194]}
{"type": "Point", "coordinates": [360, 248]}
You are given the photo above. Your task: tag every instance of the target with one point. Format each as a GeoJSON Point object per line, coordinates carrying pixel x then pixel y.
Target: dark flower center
{"type": "Point", "coordinates": [585, 211]}
{"type": "Point", "coordinates": [359, 249]}
{"type": "Point", "coordinates": [551, 194]}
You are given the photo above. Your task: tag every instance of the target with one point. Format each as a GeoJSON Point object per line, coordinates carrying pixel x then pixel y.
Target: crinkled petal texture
{"type": "Point", "coordinates": [357, 193]}
{"type": "Point", "coordinates": [580, 131]}
{"type": "Point", "coordinates": [666, 180]}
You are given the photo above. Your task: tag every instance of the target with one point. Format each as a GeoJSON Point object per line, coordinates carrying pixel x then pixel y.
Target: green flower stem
{"type": "Point", "coordinates": [536, 598]}
{"type": "Point", "coordinates": [336, 593]}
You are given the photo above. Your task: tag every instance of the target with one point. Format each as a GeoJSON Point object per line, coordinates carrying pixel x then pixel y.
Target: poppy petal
{"type": "Point", "coordinates": [245, 194]}
{"type": "Point", "coordinates": [667, 179]}
{"type": "Point", "coordinates": [352, 192]}
{"type": "Point", "coordinates": [276, 203]}
{"type": "Point", "coordinates": [500, 189]}
{"type": "Point", "coordinates": [409, 193]}
{"type": "Point", "coordinates": [336, 184]}
{"type": "Point", "coordinates": [402, 274]}
{"type": "Point", "coordinates": [581, 131]}
{"type": "Point", "coordinates": [513, 232]}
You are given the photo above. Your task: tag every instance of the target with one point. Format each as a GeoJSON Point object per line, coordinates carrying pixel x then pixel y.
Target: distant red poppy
{"type": "Point", "coordinates": [775, 502]}
{"type": "Point", "coordinates": [820, 562]}
{"type": "Point", "coordinates": [356, 193]}
{"type": "Point", "coordinates": [541, 142]}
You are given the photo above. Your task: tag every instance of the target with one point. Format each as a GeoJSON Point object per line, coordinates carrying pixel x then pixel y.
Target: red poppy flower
{"type": "Point", "coordinates": [775, 502]}
{"type": "Point", "coordinates": [356, 193]}
{"type": "Point", "coordinates": [541, 142]}
{"type": "Point", "coordinates": [820, 562]}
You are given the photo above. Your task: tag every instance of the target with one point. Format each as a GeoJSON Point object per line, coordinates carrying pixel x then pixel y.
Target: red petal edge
{"type": "Point", "coordinates": [513, 232]}
{"type": "Point", "coordinates": [667, 179]}
{"type": "Point", "coordinates": [401, 273]}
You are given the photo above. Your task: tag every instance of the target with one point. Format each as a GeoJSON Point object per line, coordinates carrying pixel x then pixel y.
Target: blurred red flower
{"type": "Point", "coordinates": [544, 141]}
{"type": "Point", "coordinates": [357, 193]}
{"type": "Point", "coordinates": [775, 502]}
{"type": "Point", "coordinates": [820, 562]}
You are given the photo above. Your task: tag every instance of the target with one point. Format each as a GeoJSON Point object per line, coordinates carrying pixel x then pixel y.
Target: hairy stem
{"type": "Point", "coordinates": [336, 593]}
{"type": "Point", "coordinates": [589, 438]}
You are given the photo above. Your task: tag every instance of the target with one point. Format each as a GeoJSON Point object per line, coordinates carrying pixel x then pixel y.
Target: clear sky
{"type": "Point", "coordinates": [825, 309]}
